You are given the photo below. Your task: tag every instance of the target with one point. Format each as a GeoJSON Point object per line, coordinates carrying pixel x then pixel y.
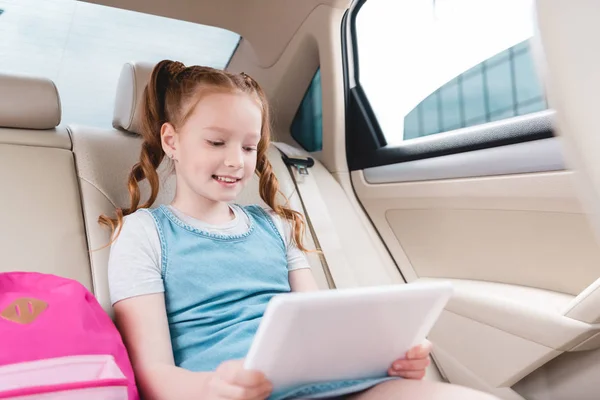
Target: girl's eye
{"type": "Point", "coordinates": [215, 144]}
{"type": "Point", "coordinates": [249, 148]}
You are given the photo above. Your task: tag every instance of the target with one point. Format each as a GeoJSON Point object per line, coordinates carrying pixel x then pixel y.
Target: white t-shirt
{"type": "Point", "coordinates": [134, 267]}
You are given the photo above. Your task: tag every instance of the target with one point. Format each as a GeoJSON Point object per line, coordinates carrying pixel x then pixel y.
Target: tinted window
{"type": "Point", "coordinates": [307, 126]}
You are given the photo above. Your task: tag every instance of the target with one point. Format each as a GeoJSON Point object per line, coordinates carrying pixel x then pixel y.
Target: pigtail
{"type": "Point", "coordinates": [268, 183]}
{"type": "Point", "coordinates": [269, 188]}
{"type": "Point", "coordinates": [152, 154]}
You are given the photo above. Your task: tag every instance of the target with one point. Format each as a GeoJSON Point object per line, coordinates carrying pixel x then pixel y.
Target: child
{"type": "Point", "coordinates": [190, 281]}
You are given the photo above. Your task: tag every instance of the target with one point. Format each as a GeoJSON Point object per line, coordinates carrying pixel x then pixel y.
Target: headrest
{"type": "Point", "coordinates": [28, 102]}
{"type": "Point", "coordinates": [130, 90]}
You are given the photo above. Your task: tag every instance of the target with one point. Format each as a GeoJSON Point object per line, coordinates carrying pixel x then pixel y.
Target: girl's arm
{"type": "Point", "coordinates": [300, 275]}
{"type": "Point", "coordinates": [302, 280]}
{"type": "Point", "coordinates": [142, 321]}
{"type": "Point", "coordinates": [136, 288]}
{"type": "Point", "coordinates": [137, 293]}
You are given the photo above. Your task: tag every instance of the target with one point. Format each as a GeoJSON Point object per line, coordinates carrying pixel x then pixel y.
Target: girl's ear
{"type": "Point", "coordinates": [167, 139]}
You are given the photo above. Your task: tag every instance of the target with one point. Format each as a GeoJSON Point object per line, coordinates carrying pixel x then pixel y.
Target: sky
{"type": "Point", "coordinates": [82, 47]}
{"type": "Point", "coordinates": [407, 48]}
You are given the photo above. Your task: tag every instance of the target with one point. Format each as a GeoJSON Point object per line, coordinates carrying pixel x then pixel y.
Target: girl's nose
{"type": "Point", "coordinates": [235, 159]}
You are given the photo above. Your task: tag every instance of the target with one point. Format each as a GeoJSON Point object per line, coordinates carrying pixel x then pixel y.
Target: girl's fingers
{"type": "Point", "coordinates": [411, 365]}
{"type": "Point", "coordinates": [420, 374]}
{"type": "Point", "coordinates": [420, 351]}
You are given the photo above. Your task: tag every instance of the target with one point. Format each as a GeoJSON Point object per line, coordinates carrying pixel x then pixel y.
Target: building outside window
{"type": "Point", "coordinates": [503, 86]}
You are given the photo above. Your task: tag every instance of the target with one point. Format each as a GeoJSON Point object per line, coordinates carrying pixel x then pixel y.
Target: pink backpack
{"type": "Point", "coordinates": [57, 343]}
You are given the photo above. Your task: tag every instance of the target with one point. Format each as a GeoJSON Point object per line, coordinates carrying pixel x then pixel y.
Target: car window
{"type": "Point", "coordinates": [82, 48]}
{"type": "Point", "coordinates": [307, 126]}
{"type": "Point", "coordinates": [503, 86]}
{"type": "Point", "coordinates": [450, 64]}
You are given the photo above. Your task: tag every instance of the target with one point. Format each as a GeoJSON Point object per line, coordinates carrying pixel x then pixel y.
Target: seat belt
{"type": "Point", "coordinates": [317, 216]}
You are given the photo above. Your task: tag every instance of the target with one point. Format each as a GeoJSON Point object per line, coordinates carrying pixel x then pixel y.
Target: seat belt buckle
{"type": "Point", "coordinates": [302, 170]}
{"type": "Point", "coordinates": [302, 164]}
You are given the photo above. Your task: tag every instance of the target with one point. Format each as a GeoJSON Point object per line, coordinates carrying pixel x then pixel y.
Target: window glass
{"type": "Point", "coordinates": [430, 115]}
{"type": "Point", "coordinates": [504, 86]}
{"type": "Point", "coordinates": [82, 48]}
{"type": "Point", "coordinates": [499, 86]}
{"type": "Point", "coordinates": [454, 63]}
{"type": "Point", "coordinates": [526, 80]}
{"type": "Point", "coordinates": [307, 126]}
{"type": "Point", "coordinates": [412, 126]}
{"type": "Point", "coordinates": [451, 113]}
{"type": "Point", "coordinates": [473, 97]}
{"type": "Point", "coordinates": [535, 106]}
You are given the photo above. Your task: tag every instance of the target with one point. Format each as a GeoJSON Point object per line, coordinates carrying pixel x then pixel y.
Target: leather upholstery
{"type": "Point", "coordinates": [42, 227]}
{"type": "Point", "coordinates": [28, 102]}
{"type": "Point", "coordinates": [130, 90]}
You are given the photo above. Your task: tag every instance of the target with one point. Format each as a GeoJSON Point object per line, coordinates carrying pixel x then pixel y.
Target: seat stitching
{"type": "Point", "coordinates": [98, 189]}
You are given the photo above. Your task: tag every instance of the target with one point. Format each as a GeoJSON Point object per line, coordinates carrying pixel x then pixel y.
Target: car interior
{"type": "Point", "coordinates": [506, 208]}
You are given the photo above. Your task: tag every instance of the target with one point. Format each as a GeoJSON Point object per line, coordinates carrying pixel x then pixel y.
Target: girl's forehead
{"type": "Point", "coordinates": [227, 114]}
{"type": "Point", "coordinates": [226, 108]}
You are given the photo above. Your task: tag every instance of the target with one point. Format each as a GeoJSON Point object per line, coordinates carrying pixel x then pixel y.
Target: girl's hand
{"type": "Point", "coordinates": [414, 364]}
{"type": "Point", "coordinates": [232, 381]}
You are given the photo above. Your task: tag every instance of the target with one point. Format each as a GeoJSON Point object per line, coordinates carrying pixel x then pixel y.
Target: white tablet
{"type": "Point", "coordinates": [343, 334]}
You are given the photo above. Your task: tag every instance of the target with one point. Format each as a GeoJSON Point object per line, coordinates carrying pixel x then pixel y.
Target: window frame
{"type": "Point", "coordinates": [367, 147]}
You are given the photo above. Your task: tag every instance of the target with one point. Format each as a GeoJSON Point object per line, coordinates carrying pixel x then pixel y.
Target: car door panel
{"type": "Point", "coordinates": [510, 233]}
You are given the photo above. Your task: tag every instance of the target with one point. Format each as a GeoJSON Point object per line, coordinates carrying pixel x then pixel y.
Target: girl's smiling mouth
{"type": "Point", "coordinates": [226, 180]}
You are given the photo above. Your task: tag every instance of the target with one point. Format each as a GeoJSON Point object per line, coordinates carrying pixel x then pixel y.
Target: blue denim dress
{"type": "Point", "coordinates": [217, 288]}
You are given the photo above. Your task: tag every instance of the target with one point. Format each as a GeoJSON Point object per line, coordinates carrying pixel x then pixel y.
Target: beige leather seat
{"type": "Point", "coordinates": [42, 226]}
{"type": "Point", "coordinates": [105, 157]}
